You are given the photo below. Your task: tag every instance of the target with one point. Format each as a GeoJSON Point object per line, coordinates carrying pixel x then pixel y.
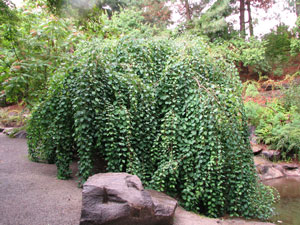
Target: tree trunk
{"type": "Point", "coordinates": [297, 2]}
{"type": "Point", "coordinates": [250, 18]}
{"type": "Point", "coordinates": [187, 10]}
{"type": "Point", "coordinates": [242, 18]}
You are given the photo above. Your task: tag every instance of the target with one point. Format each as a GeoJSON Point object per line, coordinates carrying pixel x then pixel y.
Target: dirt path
{"type": "Point", "coordinates": [30, 193]}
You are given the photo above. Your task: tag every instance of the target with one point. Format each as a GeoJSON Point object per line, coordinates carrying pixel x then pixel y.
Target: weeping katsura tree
{"type": "Point", "coordinates": [163, 110]}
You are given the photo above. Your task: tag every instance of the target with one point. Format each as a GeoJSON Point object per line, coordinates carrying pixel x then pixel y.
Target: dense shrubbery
{"type": "Point", "coordinates": [243, 53]}
{"type": "Point", "coordinates": [295, 42]}
{"type": "Point", "coordinates": [36, 45]}
{"type": "Point", "coordinates": [163, 110]}
{"type": "Point", "coordinates": [291, 97]}
{"type": "Point", "coordinates": [277, 124]}
{"type": "Point", "coordinates": [31, 51]}
{"type": "Point", "coordinates": [251, 89]}
{"type": "Point", "coordinates": [278, 44]}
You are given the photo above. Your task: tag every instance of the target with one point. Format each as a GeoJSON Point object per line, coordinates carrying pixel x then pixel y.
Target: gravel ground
{"type": "Point", "coordinates": [30, 193]}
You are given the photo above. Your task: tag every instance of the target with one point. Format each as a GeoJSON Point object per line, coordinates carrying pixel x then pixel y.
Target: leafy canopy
{"type": "Point", "coordinates": [163, 110]}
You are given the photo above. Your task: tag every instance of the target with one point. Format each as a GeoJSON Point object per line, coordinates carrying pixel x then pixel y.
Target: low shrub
{"type": "Point", "coordinates": [291, 97]}
{"type": "Point", "coordinates": [276, 126]}
{"type": "Point", "coordinates": [254, 112]}
{"type": "Point", "coordinates": [287, 139]}
{"type": "Point", "coordinates": [251, 90]}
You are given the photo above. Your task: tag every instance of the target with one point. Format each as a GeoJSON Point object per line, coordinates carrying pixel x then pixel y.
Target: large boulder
{"type": "Point", "coordinates": [120, 199]}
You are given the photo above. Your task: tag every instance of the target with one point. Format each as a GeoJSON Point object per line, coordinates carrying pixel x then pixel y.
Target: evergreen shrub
{"type": "Point", "coordinates": [163, 110]}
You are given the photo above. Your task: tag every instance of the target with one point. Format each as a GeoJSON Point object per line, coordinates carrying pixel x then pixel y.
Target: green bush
{"type": "Point", "coordinates": [163, 110]}
{"type": "Point", "coordinates": [251, 90]}
{"type": "Point", "coordinates": [276, 126]}
{"type": "Point", "coordinates": [126, 22]}
{"type": "Point", "coordinates": [251, 53]}
{"type": "Point", "coordinates": [35, 45]}
{"type": "Point", "coordinates": [295, 42]}
{"type": "Point", "coordinates": [266, 118]}
{"type": "Point", "coordinates": [278, 43]}
{"type": "Point", "coordinates": [129, 21]}
{"type": "Point", "coordinates": [287, 139]}
{"type": "Point", "coordinates": [254, 112]}
{"type": "Point", "coordinates": [31, 51]}
{"type": "Point", "coordinates": [291, 97]}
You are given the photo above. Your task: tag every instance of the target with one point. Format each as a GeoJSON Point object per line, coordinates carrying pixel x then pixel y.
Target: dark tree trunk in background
{"type": "Point", "coordinates": [242, 18]}
{"type": "Point", "coordinates": [250, 18]}
{"type": "Point", "coordinates": [297, 7]}
{"type": "Point", "coordinates": [187, 10]}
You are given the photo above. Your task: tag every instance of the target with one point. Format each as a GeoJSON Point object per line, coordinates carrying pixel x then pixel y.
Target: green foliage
{"type": "Point", "coordinates": [36, 45]}
{"type": "Point", "coordinates": [287, 139]}
{"type": "Point", "coordinates": [277, 126]}
{"type": "Point", "coordinates": [56, 6]}
{"type": "Point", "coordinates": [291, 97]}
{"type": "Point", "coordinates": [213, 24]}
{"type": "Point", "coordinates": [89, 21]}
{"type": "Point", "coordinates": [251, 90]}
{"type": "Point", "coordinates": [32, 51]}
{"type": "Point", "coordinates": [273, 116]}
{"type": "Point", "coordinates": [278, 71]}
{"type": "Point", "coordinates": [8, 29]}
{"type": "Point", "coordinates": [7, 9]}
{"type": "Point", "coordinates": [254, 113]}
{"type": "Point", "coordinates": [163, 110]}
{"type": "Point", "coordinates": [295, 42]}
{"type": "Point", "coordinates": [126, 22]}
{"type": "Point", "coordinates": [278, 43]}
{"type": "Point", "coordinates": [248, 53]}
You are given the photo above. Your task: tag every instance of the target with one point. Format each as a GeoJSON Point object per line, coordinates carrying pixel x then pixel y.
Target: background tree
{"type": "Point", "coordinates": [156, 12]}
{"type": "Point", "coordinates": [191, 9]}
{"type": "Point", "coordinates": [294, 6]}
{"type": "Point", "coordinates": [212, 23]}
{"type": "Point", "coordinates": [242, 18]}
{"type": "Point", "coordinates": [248, 2]}
{"type": "Point", "coordinates": [262, 4]}
{"type": "Point", "coordinates": [7, 13]}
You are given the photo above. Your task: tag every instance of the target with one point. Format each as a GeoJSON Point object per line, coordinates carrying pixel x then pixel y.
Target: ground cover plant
{"type": "Point", "coordinates": [163, 110]}
{"type": "Point", "coordinates": [277, 121]}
